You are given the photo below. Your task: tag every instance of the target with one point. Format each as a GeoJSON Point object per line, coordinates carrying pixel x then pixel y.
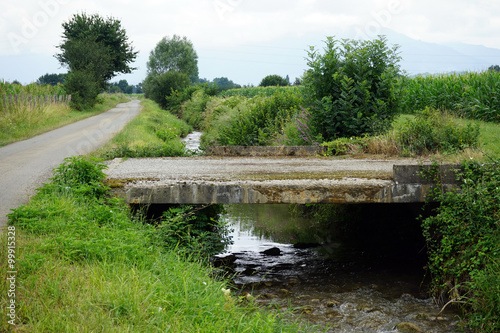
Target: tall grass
{"type": "Point", "coordinates": [23, 122]}
{"type": "Point", "coordinates": [30, 89]}
{"type": "Point", "coordinates": [153, 133]}
{"type": "Point", "coordinates": [470, 95]}
{"type": "Point", "coordinates": [85, 265]}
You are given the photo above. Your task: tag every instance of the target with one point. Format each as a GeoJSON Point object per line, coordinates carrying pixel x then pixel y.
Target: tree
{"type": "Point", "coordinates": [223, 83]}
{"type": "Point", "coordinates": [174, 54]}
{"type": "Point", "coordinates": [494, 68]}
{"type": "Point", "coordinates": [273, 80]}
{"type": "Point", "coordinates": [52, 79]}
{"type": "Point", "coordinates": [97, 48]}
{"type": "Point", "coordinates": [350, 87]}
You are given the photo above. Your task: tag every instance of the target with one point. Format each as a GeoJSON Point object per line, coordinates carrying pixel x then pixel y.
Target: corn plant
{"type": "Point", "coordinates": [470, 95]}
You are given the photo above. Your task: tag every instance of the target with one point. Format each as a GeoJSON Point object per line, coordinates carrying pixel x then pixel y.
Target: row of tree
{"type": "Point", "coordinates": [95, 49]}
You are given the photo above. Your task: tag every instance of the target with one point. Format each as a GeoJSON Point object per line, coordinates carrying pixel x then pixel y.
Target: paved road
{"type": "Point", "coordinates": [25, 165]}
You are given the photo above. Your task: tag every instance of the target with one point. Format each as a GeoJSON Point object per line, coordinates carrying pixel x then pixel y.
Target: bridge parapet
{"type": "Point", "coordinates": [206, 180]}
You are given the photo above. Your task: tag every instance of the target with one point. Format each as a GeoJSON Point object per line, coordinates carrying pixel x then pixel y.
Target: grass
{"type": "Point", "coordinates": [22, 123]}
{"type": "Point", "coordinates": [84, 264]}
{"type": "Point", "coordinates": [153, 133]}
{"type": "Point", "coordinates": [387, 145]}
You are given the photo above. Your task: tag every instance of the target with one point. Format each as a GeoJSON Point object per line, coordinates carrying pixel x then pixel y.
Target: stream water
{"type": "Point", "coordinates": [369, 278]}
{"type": "Point", "coordinates": [339, 286]}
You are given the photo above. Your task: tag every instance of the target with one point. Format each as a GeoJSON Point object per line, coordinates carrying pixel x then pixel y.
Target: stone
{"type": "Point", "coordinates": [407, 327]}
{"type": "Point", "coordinates": [274, 251]}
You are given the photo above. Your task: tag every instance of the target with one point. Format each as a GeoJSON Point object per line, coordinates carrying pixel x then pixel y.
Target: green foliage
{"type": "Point", "coordinates": [223, 83]}
{"type": "Point", "coordinates": [166, 89]}
{"type": "Point", "coordinates": [469, 95]}
{"type": "Point", "coordinates": [84, 89]}
{"type": "Point", "coordinates": [197, 233]}
{"type": "Point", "coordinates": [431, 132]}
{"type": "Point", "coordinates": [463, 241]}
{"type": "Point", "coordinates": [52, 79]}
{"type": "Point", "coordinates": [250, 92]}
{"type": "Point", "coordinates": [174, 54]}
{"type": "Point", "coordinates": [94, 50]}
{"type": "Point", "coordinates": [93, 29]}
{"type": "Point", "coordinates": [192, 111]}
{"type": "Point", "coordinates": [273, 80]}
{"type": "Point", "coordinates": [351, 87]}
{"type": "Point", "coordinates": [85, 265]}
{"type": "Point", "coordinates": [82, 174]}
{"type": "Point", "coordinates": [153, 133]}
{"type": "Point", "coordinates": [343, 146]}
{"type": "Point", "coordinates": [254, 121]}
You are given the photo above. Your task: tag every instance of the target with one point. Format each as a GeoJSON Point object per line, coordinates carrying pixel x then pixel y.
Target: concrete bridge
{"type": "Point", "coordinates": [266, 180]}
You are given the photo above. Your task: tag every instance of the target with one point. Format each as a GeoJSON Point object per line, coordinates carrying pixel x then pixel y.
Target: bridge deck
{"type": "Point", "coordinates": [204, 180]}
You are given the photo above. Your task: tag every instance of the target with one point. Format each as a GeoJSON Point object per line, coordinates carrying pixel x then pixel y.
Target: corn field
{"type": "Point", "coordinates": [30, 96]}
{"type": "Point", "coordinates": [260, 91]}
{"type": "Point", "coordinates": [469, 95]}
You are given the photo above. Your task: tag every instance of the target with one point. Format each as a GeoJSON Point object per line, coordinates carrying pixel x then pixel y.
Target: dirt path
{"type": "Point", "coordinates": [25, 165]}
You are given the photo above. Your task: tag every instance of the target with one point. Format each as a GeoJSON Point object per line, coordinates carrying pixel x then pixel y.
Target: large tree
{"type": "Point", "coordinates": [95, 48]}
{"type": "Point", "coordinates": [174, 54]}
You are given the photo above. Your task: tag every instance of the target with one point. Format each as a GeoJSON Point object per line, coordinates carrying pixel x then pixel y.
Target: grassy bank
{"type": "Point", "coordinates": [154, 132]}
{"type": "Point", "coordinates": [85, 264]}
{"type": "Point", "coordinates": [22, 123]}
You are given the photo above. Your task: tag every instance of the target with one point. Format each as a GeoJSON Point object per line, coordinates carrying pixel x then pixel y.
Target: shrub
{"type": "Point", "coordinates": [83, 88]}
{"type": "Point", "coordinates": [256, 121]}
{"type": "Point", "coordinates": [463, 245]}
{"type": "Point", "coordinates": [194, 232]}
{"type": "Point", "coordinates": [165, 89]}
{"type": "Point", "coordinates": [431, 132]}
{"type": "Point", "coordinates": [351, 87]}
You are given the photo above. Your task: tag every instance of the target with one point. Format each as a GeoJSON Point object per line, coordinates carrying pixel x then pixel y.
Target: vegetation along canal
{"type": "Point", "coordinates": [345, 268]}
{"type": "Point", "coordinates": [348, 268]}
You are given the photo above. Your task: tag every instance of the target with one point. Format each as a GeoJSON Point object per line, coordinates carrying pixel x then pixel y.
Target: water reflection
{"type": "Point", "coordinates": [333, 281]}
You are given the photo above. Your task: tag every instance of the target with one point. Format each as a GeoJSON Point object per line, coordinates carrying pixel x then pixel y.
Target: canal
{"type": "Point", "coordinates": [362, 272]}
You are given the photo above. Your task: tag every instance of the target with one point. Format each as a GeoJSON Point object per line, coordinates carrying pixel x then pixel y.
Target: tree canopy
{"type": "Point", "coordinates": [274, 80]}
{"type": "Point", "coordinates": [52, 79]}
{"type": "Point", "coordinates": [94, 49]}
{"type": "Point", "coordinates": [174, 54]}
{"type": "Point", "coordinates": [104, 36]}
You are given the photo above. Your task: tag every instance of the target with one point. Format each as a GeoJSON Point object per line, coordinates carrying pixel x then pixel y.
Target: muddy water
{"type": "Point", "coordinates": [364, 285]}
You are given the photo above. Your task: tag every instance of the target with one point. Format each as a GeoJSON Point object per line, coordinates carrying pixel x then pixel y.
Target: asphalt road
{"type": "Point", "coordinates": [25, 165]}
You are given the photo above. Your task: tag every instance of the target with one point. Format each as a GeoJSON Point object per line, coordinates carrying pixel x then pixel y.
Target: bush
{"type": "Point", "coordinates": [350, 87]}
{"type": "Point", "coordinates": [165, 89]}
{"type": "Point", "coordinates": [83, 88]}
{"type": "Point", "coordinates": [463, 245]}
{"type": "Point", "coordinates": [432, 132]}
{"type": "Point", "coordinates": [252, 122]}
{"type": "Point", "coordinates": [193, 232]}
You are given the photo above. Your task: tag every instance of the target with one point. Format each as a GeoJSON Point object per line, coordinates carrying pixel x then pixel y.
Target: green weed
{"type": "Point", "coordinates": [86, 264]}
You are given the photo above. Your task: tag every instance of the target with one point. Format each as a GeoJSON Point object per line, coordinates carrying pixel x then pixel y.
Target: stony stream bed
{"type": "Point", "coordinates": [339, 287]}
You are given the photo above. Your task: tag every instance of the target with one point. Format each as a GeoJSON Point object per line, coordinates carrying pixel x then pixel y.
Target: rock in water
{"type": "Point", "coordinates": [274, 251]}
{"type": "Point", "coordinates": [408, 327]}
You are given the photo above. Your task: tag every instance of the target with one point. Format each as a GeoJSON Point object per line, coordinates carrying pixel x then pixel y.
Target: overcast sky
{"type": "Point", "coordinates": [243, 40]}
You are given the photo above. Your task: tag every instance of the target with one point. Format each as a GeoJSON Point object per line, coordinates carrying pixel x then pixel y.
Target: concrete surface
{"type": "Point", "coordinates": [25, 165]}
{"type": "Point", "coordinates": [203, 180]}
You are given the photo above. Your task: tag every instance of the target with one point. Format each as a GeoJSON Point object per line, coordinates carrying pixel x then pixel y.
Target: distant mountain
{"type": "Point", "coordinates": [423, 57]}
{"type": "Point", "coordinates": [417, 56]}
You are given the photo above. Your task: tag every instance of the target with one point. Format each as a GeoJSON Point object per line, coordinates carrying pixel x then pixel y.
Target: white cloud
{"type": "Point", "coordinates": [226, 25]}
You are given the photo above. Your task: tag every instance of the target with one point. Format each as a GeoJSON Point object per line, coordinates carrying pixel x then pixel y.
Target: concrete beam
{"type": "Point", "coordinates": [234, 181]}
